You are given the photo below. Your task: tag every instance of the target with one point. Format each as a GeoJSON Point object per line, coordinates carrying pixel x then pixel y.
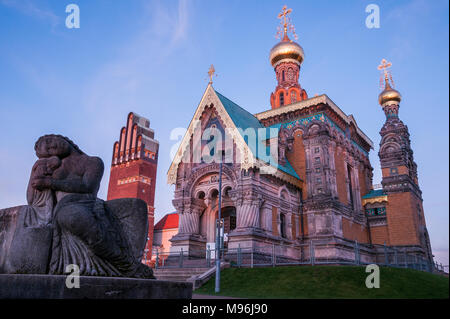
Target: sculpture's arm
{"type": "Point", "coordinates": [30, 188]}
{"type": "Point", "coordinates": [30, 193]}
{"type": "Point", "coordinates": [87, 184]}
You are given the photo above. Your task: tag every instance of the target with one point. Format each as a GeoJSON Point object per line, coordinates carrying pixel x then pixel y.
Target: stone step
{"type": "Point", "coordinates": [185, 275]}
{"type": "Point", "coordinates": [157, 275]}
{"type": "Point", "coordinates": [176, 271]}
{"type": "Point", "coordinates": [177, 274]}
{"type": "Point", "coordinates": [181, 269]}
{"type": "Point", "coordinates": [173, 278]}
{"type": "Point", "coordinates": [200, 262]}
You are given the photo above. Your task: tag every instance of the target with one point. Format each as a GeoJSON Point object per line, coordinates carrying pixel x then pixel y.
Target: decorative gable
{"type": "Point", "coordinates": [210, 99]}
{"type": "Point", "coordinates": [252, 150]}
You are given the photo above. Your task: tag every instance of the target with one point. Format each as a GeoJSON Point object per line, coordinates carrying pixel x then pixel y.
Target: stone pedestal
{"type": "Point", "coordinates": [245, 238]}
{"type": "Point", "coordinates": [54, 287]}
{"type": "Point", "coordinates": [262, 245]}
{"type": "Point", "coordinates": [193, 245]}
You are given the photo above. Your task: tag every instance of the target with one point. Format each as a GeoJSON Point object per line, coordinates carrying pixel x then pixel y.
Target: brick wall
{"type": "Point", "coordinates": [297, 159]}
{"type": "Point", "coordinates": [402, 170]}
{"type": "Point", "coordinates": [274, 221]}
{"type": "Point", "coordinates": [402, 218]}
{"type": "Point", "coordinates": [136, 189]}
{"type": "Point", "coordinates": [340, 176]}
{"type": "Point", "coordinates": [379, 235]}
{"type": "Point", "coordinates": [362, 182]}
{"type": "Point", "coordinates": [354, 231]}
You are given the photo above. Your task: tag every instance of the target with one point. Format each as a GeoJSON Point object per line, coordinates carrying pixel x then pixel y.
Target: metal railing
{"type": "Point", "coordinates": [183, 259]}
{"type": "Point", "coordinates": [311, 253]}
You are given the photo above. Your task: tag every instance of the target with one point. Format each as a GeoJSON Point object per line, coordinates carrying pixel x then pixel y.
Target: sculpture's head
{"type": "Point", "coordinates": [55, 145]}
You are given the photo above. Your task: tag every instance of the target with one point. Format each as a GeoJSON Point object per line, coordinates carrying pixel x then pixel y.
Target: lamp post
{"type": "Point", "coordinates": [219, 220]}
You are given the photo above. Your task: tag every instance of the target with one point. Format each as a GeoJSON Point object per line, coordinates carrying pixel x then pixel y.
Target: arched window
{"type": "Point", "coordinates": [201, 195]}
{"type": "Point", "coordinates": [281, 98]}
{"type": "Point", "coordinates": [229, 216]}
{"type": "Point", "coordinates": [282, 225]}
{"type": "Point", "coordinates": [290, 74]}
{"type": "Point", "coordinates": [304, 96]}
{"type": "Point", "coordinates": [226, 191]}
{"type": "Point", "coordinates": [350, 186]}
{"type": "Point", "coordinates": [214, 194]}
{"type": "Point", "coordinates": [293, 97]}
{"type": "Point", "coordinates": [283, 75]}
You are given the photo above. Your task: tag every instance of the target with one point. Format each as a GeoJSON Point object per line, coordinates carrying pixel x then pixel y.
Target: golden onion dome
{"type": "Point", "coordinates": [286, 49]}
{"type": "Point", "coordinates": [389, 94]}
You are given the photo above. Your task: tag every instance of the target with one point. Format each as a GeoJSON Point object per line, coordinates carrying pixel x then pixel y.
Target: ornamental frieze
{"type": "Point", "coordinates": [201, 171]}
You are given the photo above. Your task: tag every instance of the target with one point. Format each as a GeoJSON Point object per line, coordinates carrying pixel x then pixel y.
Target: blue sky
{"type": "Point", "coordinates": [151, 57]}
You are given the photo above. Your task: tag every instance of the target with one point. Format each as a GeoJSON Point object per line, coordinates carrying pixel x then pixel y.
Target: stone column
{"type": "Point", "coordinates": [188, 238]}
{"type": "Point", "coordinates": [268, 218]}
{"type": "Point", "coordinates": [309, 168]}
{"type": "Point", "coordinates": [189, 216]}
{"type": "Point", "coordinates": [189, 221]}
{"type": "Point", "coordinates": [248, 214]}
{"type": "Point", "coordinates": [357, 192]}
{"type": "Point", "coordinates": [347, 178]}
{"type": "Point", "coordinates": [182, 229]}
{"type": "Point", "coordinates": [263, 217]}
{"type": "Point", "coordinates": [288, 221]}
{"type": "Point", "coordinates": [333, 182]}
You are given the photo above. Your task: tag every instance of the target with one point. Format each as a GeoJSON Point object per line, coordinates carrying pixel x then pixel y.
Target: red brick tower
{"type": "Point", "coordinates": [286, 58]}
{"type": "Point", "coordinates": [404, 209]}
{"type": "Point", "coordinates": [133, 168]}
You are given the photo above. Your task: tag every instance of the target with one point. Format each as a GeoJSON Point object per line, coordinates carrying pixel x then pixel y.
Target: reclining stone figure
{"type": "Point", "coordinates": [65, 223]}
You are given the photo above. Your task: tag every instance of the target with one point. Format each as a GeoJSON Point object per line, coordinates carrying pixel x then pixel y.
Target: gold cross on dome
{"type": "Point", "coordinates": [211, 72]}
{"type": "Point", "coordinates": [384, 66]}
{"type": "Point", "coordinates": [285, 23]}
{"type": "Point", "coordinates": [283, 15]}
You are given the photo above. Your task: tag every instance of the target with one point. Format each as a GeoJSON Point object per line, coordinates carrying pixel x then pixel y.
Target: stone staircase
{"type": "Point", "coordinates": [193, 271]}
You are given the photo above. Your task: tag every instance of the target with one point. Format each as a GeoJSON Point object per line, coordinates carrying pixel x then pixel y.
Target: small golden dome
{"type": "Point", "coordinates": [286, 49]}
{"type": "Point", "coordinates": [389, 94]}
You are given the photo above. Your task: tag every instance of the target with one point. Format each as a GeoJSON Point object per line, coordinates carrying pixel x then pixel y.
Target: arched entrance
{"type": "Point", "coordinates": [229, 217]}
{"type": "Point", "coordinates": [210, 215]}
{"type": "Point", "coordinates": [229, 220]}
{"type": "Point", "coordinates": [199, 199]}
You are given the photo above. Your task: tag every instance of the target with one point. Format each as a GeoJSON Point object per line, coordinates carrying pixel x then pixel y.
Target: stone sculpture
{"type": "Point", "coordinates": [65, 223]}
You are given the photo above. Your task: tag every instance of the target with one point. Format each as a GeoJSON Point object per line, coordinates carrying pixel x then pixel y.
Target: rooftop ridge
{"type": "Point", "coordinates": [314, 101]}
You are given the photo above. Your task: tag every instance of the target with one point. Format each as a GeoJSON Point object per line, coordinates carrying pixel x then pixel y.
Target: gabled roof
{"type": "Point", "coordinates": [244, 119]}
{"type": "Point", "coordinates": [240, 117]}
{"type": "Point", "coordinates": [314, 101]}
{"type": "Point", "coordinates": [238, 120]}
{"type": "Point", "coordinates": [167, 222]}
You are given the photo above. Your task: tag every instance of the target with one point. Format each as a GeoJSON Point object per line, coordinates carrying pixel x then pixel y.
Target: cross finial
{"type": "Point", "coordinates": [286, 24]}
{"type": "Point", "coordinates": [383, 67]}
{"type": "Point", "coordinates": [211, 72]}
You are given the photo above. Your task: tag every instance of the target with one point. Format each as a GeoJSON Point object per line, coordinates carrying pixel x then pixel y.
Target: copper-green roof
{"type": "Point", "coordinates": [244, 120]}
{"type": "Point", "coordinates": [374, 193]}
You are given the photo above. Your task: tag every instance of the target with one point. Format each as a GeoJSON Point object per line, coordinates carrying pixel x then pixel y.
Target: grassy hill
{"type": "Point", "coordinates": [326, 282]}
